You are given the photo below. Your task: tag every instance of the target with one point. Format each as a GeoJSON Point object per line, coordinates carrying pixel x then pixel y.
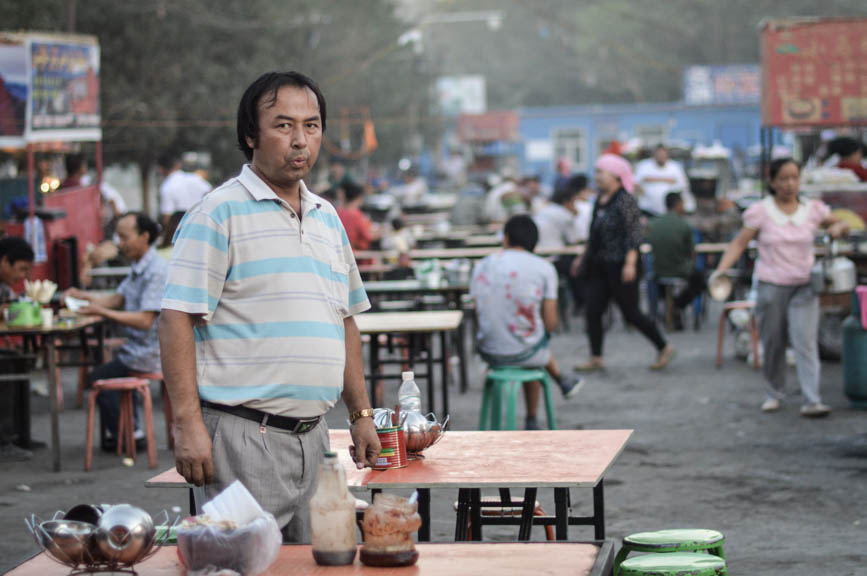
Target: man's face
{"type": "Point", "coordinates": [12, 274]}
{"type": "Point", "coordinates": [661, 156]}
{"type": "Point", "coordinates": [131, 244]}
{"type": "Point", "coordinates": [290, 134]}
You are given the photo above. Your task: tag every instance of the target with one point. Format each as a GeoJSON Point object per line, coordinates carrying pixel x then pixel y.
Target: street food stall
{"type": "Point", "coordinates": [49, 107]}
{"type": "Point", "coordinates": [813, 79]}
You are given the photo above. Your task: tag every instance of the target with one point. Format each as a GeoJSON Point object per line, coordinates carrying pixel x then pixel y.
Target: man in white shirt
{"type": "Point", "coordinates": [656, 177]}
{"type": "Point", "coordinates": [180, 190]}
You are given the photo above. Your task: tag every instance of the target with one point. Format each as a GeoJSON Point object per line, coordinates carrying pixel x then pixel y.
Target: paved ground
{"type": "Point", "coordinates": [789, 493]}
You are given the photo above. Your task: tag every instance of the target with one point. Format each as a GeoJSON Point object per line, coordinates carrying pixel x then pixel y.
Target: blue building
{"type": "Point", "coordinates": [581, 133]}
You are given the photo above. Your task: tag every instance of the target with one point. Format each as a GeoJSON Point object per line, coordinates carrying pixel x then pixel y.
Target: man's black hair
{"type": "Point", "coordinates": [144, 223]}
{"type": "Point", "coordinates": [672, 199]}
{"type": "Point", "coordinates": [267, 86]}
{"type": "Point", "coordinates": [73, 162]}
{"type": "Point", "coordinates": [844, 146]}
{"type": "Point", "coordinates": [521, 232]}
{"type": "Point", "coordinates": [351, 191]}
{"type": "Point", "coordinates": [168, 159]}
{"type": "Point", "coordinates": [15, 248]}
{"type": "Point", "coordinates": [563, 194]}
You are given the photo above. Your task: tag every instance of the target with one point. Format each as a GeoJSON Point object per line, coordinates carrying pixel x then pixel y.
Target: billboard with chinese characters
{"type": "Point", "coordinates": [64, 86]}
{"type": "Point", "coordinates": [732, 84]}
{"type": "Point", "coordinates": [49, 88]}
{"type": "Point", "coordinates": [814, 72]}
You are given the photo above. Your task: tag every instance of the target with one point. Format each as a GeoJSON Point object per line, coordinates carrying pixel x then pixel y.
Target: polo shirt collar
{"type": "Point", "coordinates": [780, 218]}
{"type": "Point", "coordinates": [261, 191]}
{"type": "Point", "coordinates": [145, 262]}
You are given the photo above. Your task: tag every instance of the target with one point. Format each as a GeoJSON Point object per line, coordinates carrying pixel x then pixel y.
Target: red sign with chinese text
{"type": "Point", "coordinates": [814, 73]}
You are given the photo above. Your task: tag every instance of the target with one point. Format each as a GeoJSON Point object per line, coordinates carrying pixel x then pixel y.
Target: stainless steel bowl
{"type": "Point", "coordinates": [69, 541]}
{"type": "Point", "coordinates": [125, 534]}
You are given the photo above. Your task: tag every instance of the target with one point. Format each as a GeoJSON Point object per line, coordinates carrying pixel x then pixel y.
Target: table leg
{"type": "Point", "coordinates": [561, 512]}
{"type": "Point", "coordinates": [424, 512]}
{"type": "Point", "coordinates": [527, 513]}
{"type": "Point", "coordinates": [193, 511]}
{"type": "Point", "coordinates": [476, 513]}
{"type": "Point", "coordinates": [100, 344]}
{"type": "Point", "coordinates": [462, 357]}
{"type": "Point", "coordinates": [52, 395]}
{"type": "Point", "coordinates": [25, 440]}
{"type": "Point", "coordinates": [599, 510]}
{"type": "Point", "coordinates": [444, 362]}
{"type": "Point", "coordinates": [462, 516]}
{"type": "Point", "coordinates": [428, 340]}
{"type": "Point", "coordinates": [373, 365]}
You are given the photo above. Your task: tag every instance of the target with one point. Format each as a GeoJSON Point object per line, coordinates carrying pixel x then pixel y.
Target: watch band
{"type": "Point", "coordinates": [364, 413]}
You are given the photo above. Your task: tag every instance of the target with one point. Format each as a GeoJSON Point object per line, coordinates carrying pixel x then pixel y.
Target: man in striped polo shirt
{"type": "Point", "coordinates": [257, 332]}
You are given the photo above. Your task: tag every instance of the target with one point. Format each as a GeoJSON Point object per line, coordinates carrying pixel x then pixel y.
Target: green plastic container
{"type": "Point", "coordinates": [24, 314]}
{"type": "Point", "coordinates": [855, 357]}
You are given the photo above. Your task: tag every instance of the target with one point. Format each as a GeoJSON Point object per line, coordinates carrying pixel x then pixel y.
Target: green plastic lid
{"type": "Point", "coordinates": [677, 537]}
{"type": "Point", "coordinates": [674, 562]}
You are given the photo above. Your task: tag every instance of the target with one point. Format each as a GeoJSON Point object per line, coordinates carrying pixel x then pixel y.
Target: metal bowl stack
{"type": "Point", "coordinates": [94, 538]}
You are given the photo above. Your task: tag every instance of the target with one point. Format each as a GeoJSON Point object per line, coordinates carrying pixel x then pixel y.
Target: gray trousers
{"type": "Point", "coordinates": [279, 468]}
{"type": "Point", "coordinates": [789, 314]}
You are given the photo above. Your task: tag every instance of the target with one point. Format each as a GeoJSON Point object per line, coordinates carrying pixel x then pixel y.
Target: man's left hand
{"type": "Point", "coordinates": [366, 447]}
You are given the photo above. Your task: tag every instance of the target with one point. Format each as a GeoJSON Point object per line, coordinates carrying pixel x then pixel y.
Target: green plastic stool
{"type": "Point", "coordinates": [508, 379]}
{"type": "Point", "coordinates": [682, 540]}
{"type": "Point", "coordinates": [674, 564]}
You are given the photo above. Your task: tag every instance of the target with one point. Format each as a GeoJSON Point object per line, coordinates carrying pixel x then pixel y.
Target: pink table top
{"type": "Point", "coordinates": [502, 559]}
{"type": "Point", "coordinates": [502, 459]}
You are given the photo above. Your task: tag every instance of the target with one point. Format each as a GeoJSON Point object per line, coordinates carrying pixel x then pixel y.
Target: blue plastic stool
{"type": "Point", "coordinates": [508, 379]}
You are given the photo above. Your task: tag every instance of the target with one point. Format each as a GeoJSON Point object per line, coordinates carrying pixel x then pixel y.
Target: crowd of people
{"type": "Point", "coordinates": [251, 319]}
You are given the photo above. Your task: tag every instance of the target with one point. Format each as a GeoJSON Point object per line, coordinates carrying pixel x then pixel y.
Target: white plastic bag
{"type": "Point", "coordinates": [249, 549]}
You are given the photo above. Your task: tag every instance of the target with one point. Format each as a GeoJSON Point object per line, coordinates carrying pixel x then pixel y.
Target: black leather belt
{"type": "Point", "coordinates": [295, 425]}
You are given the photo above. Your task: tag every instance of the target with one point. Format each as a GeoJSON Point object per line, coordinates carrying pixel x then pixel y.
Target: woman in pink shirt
{"type": "Point", "coordinates": [788, 310]}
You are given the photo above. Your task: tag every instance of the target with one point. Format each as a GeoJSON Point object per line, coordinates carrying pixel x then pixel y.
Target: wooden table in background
{"type": "Point", "coordinates": [48, 343]}
{"type": "Point", "coordinates": [426, 324]}
{"type": "Point", "coordinates": [501, 559]}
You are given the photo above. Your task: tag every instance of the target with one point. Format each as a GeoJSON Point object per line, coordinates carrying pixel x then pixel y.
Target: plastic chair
{"type": "Point", "coordinates": [754, 329]}
{"type": "Point", "coordinates": [167, 404]}
{"type": "Point", "coordinates": [126, 419]}
{"type": "Point", "coordinates": [673, 564]}
{"type": "Point", "coordinates": [666, 541]}
{"type": "Point", "coordinates": [509, 379]}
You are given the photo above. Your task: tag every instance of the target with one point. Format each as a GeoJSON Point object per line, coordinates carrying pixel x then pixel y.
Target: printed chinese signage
{"type": "Point", "coordinates": [64, 86]}
{"type": "Point", "coordinates": [814, 73]}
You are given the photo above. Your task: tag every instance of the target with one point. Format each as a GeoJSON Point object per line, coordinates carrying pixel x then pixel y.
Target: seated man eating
{"type": "Point", "coordinates": [515, 293]}
{"type": "Point", "coordinates": [135, 306]}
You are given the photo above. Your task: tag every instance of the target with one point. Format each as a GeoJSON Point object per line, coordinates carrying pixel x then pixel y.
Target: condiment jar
{"type": "Point", "coordinates": [332, 516]}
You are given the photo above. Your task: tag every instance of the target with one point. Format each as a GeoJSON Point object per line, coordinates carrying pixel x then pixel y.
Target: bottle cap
{"type": "Point", "coordinates": [330, 454]}
{"type": "Point", "coordinates": [408, 375]}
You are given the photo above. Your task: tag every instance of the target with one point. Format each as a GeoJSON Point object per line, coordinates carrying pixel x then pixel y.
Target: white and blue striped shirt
{"type": "Point", "coordinates": [272, 294]}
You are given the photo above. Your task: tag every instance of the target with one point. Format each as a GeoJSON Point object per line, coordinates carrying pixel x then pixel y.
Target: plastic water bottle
{"type": "Point", "coordinates": [408, 395]}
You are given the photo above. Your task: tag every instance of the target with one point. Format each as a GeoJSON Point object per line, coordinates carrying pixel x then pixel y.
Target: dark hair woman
{"type": "Point", "coordinates": [610, 264]}
{"type": "Point", "coordinates": [787, 309]}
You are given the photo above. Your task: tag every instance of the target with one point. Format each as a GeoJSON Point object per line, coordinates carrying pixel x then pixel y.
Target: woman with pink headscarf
{"type": "Point", "coordinates": [610, 264]}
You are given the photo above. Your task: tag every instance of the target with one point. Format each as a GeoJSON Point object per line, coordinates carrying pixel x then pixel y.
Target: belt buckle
{"type": "Point", "coordinates": [304, 426]}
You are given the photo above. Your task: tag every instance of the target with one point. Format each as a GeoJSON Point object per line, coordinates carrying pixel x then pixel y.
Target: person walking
{"type": "Point", "coordinates": [609, 267]}
{"type": "Point", "coordinates": [257, 330]}
{"type": "Point", "coordinates": [787, 308]}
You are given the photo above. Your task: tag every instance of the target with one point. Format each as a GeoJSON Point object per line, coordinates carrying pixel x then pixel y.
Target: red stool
{"type": "Point", "coordinates": [167, 404]}
{"type": "Point", "coordinates": [126, 421]}
{"type": "Point", "coordinates": [754, 331]}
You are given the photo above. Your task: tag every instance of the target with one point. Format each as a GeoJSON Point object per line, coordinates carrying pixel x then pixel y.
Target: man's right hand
{"type": "Point", "coordinates": [193, 459]}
